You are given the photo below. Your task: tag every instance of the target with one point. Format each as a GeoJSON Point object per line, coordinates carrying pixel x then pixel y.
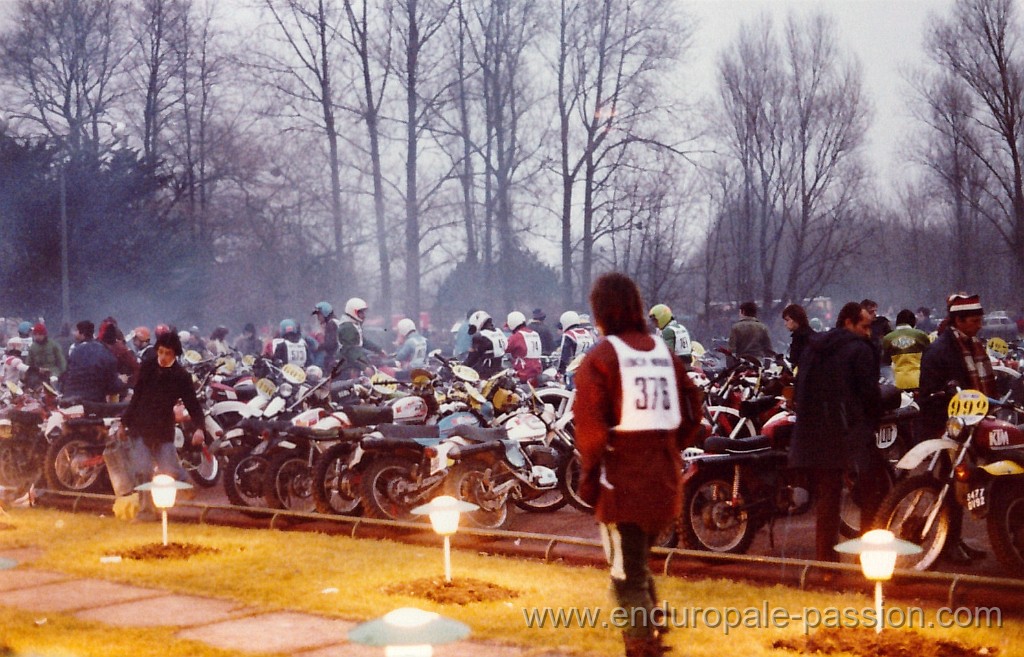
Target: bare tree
{"type": "Point", "coordinates": [368, 35]}
{"type": "Point", "coordinates": [308, 31]}
{"type": "Point", "coordinates": [419, 21]}
{"type": "Point", "coordinates": [62, 61]}
{"type": "Point", "coordinates": [795, 121]}
{"type": "Point", "coordinates": [609, 54]}
{"type": "Point", "coordinates": [978, 44]}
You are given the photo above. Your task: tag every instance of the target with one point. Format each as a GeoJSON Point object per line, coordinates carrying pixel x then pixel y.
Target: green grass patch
{"type": "Point", "coordinates": [359, 579]}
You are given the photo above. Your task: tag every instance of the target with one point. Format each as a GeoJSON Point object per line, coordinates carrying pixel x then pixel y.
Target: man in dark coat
{"type": "Point", "coordinates": [548, 341]}
{"type": "Point", "coordinates": [957, 356]}
{"type": "Point", "coordinates": [92, 369]}
{"type": "Point", "coordinates": [636, 408]}
{"type": "Point", "coordinates": [749, 336]}
{"type": "Point", "coordinates": [837, 404]}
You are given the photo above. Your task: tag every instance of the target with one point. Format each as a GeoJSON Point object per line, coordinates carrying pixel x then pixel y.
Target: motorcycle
{"type": "Point", "coordinates": [22, 442]}
{"type": "Point", "coordinates": [78, 435]}
{"type": "Point", "coordinates": [920, 508]}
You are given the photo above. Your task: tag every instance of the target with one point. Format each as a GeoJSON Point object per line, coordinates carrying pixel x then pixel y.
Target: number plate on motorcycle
{"type": "Point", "coordinates": [968, 404]}
{"type": "Point", "coordinates": [975, 499]}
{"type": "Point", "coordinates": [885, 436]}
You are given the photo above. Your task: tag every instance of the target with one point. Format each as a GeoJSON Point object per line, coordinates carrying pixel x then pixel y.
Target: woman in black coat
{"type": "Point", "coordinates": [150, 415]}
{"type": "Point", "coordinates": [795, 318]}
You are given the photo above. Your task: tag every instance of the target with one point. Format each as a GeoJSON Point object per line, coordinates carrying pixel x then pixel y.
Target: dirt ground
{"type": "Point", "coordinates": [459, 591]}
{"type": "Point", "coordinates": [866, 642]}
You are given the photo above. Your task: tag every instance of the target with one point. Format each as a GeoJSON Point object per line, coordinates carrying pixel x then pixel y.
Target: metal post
{"type": "Point", "coordinates": [447, 559]}
{"type": "Point", "coordinates": [65, 292]}
{"type": "Point", "coordinates": [165, 526]}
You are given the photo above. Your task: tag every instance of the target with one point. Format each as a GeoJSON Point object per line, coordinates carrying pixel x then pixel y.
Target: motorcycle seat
{"type": "Point", "coordinates": [409, 430]}
{"type": "Point", "coordinates": [752, 408]}
{"type": "Point", "coordinates": [726, 445]}
{"type": "Point", "coordinates": [366, 415]}
{"type": "Point", "coordinates": [23, 417]}
{"type": "Point", "coordinates": [479, 434]}
{"type": "Point", "coordinates": [315, 434]}
{"type": "Point", "coordinates": [104, 409]}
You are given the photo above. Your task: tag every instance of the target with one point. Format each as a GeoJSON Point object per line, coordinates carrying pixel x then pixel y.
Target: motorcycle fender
{"type": "Point", "coordinates": [53, 423]}
{"type": "Point", "coordinates": [440, 460]}
{"type": "Point", "coordinates": [921, 452]}
{"type": "Point", "coordinates": [245, 410]}
{"type": "Point", "coordinates": [1000, 468]}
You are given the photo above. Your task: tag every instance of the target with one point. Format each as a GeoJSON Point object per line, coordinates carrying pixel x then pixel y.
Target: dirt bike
{"type": "Point", "coordinates": [976, 443]}
{"type": "Point", "coordinates": [78, 434]}
{"type": "Point", "coordinates": [22, 441]}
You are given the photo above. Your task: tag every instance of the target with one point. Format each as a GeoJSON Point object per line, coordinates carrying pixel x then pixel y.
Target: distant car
{"type": "Point", "coordinates": [998, 324]}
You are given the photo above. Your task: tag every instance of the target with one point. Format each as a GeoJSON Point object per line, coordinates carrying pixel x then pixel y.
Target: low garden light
{"type": "Point", "coordinates": [444, 512]}
{"type": "Point", "coordinates": [164, 489]}
{"type": "Point", "coordinates": [408, 632]}
{"type": "Point", "coordinates": [878, 550]}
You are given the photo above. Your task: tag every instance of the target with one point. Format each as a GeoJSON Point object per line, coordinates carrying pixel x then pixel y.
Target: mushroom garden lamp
{"type": "Point", "coordinates": [444, 514]}
{"type": "Point", "coordinates": [163, 488]}
{"type": "Point", "coordinates": [878, 550]}
{"type": "Point", "coordinates": [408, 632]}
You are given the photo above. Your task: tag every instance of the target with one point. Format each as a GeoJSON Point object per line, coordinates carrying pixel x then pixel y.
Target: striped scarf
{"type": "Point", "coordinates": [979, 367]}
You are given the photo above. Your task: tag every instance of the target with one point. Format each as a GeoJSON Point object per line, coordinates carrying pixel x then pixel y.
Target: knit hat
{"type": "Point", "coordinates": [963, 303]}
{"type": "Point", "coordinates": [39, 329]}
{"type": "Point", "coordinates": [538, 314]}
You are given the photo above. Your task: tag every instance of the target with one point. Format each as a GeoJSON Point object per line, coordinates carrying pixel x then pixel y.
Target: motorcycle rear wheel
{"type": "Point", "coordinates": [710, 521]}
{"type": "Point", "coordinates": [473, 481]}
{"type": "Point", "coordinates": [335, 485]}
{"type": "Point", "coordinates": [904, 512]}
{"type": "Point", "coordinates": [289, 483]}
{"type": "Point", "coordinates": [1005, 523]}
{"type": "Point", "coordinates": [244, 478]}
{"type": "Point", "coordinates": [64, 465]}
{"type": "Point", "coordinates": [381, 486]}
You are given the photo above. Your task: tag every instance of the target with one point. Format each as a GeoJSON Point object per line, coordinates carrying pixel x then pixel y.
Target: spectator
{"type": "Point", "coordinates": [92, 370]}
{"type": "Point", "coordinates": [548, 341]}
{"type": "Point", "coordinates": [904, 346]}
{"type": "Point", "coordinates": [45, 353]}
{"type": "Point", "coordinates": [748, 336]}
{"type": "Point", "coordinates": [795, 318]}
{"type": "Point", "coordinates": [838, 397]}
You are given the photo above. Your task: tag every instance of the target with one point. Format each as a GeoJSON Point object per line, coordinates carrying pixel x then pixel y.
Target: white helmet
{"type": "Point", "coordinates": [405, 327]}
{"type": "Point", "coordinates": [477, 320]}
{"type": "Point", "coordinates": [353, 306]}
{"type": "Point", "coordinates": [515, 319]}
{"type": "Point", "coordinates": [568, 319]}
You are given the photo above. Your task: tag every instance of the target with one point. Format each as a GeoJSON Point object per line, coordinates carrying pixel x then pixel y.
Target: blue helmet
{"type": "Point", "coordinates": [289, 326]}
{"type": "Point", "coordinates": [24, 328]}
{"type": "Point", "coordinates": [324, 309]}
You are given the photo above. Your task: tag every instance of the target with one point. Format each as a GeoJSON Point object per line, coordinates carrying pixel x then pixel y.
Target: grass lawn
{"type": "Point", "coordinates": [351, 579]}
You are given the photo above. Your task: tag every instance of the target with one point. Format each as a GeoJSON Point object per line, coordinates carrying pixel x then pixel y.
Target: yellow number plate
{"type": "Point", "coordinates": [968, 403]}
{"type": "Point", "coordinates": [997, 347]}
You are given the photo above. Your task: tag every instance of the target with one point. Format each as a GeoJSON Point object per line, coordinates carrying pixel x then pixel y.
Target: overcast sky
{"type": "Point", "coordinates": [886, 35]}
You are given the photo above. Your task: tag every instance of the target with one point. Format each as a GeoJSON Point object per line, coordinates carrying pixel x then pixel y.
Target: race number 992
{"type": "Point", "coordinates": [652, 391]}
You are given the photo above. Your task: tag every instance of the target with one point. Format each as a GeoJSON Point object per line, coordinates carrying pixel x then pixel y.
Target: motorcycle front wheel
{"type": "Point", "coordinates": [1006, 527]}
{"type": "Point", "coordinates": [335, 484]}
{"type": "Point", "coordinates": [905, 511]}
{"type": "Point", "coordinates": [569, 476]}
{"type": "Point", "coordinates": [712, 520]}
{"type": "Point", "coordinates": [203, 467]}
{"type": "Point", "coordinates": [473, 481]}
{"type": "Point", "coordinates": [74, 463]}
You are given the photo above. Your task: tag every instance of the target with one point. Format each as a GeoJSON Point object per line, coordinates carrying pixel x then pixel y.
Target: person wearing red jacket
{"type": "Point", "coordinates": [525, 348]}
{"type": "Point", "coordinates": [635, 408]}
